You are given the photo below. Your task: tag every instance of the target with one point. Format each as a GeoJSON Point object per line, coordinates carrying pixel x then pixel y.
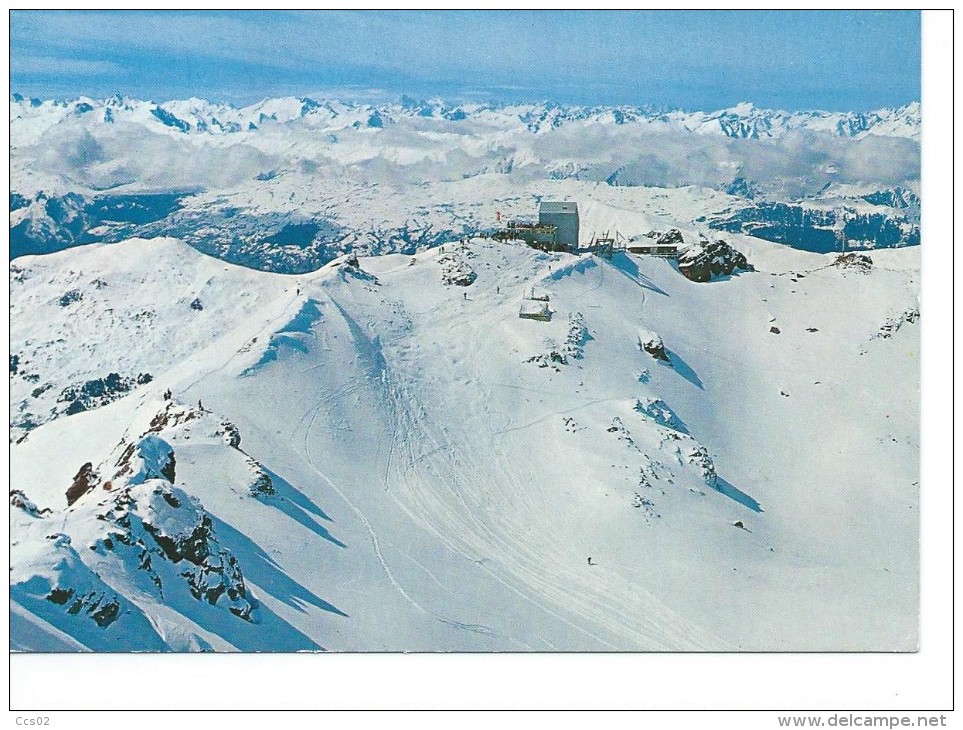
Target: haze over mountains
{"type": "Point", "coordinates": [289, 184]}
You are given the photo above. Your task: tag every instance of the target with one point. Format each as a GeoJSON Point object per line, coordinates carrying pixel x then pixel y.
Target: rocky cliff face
{"type": "Point", "coordinates": [705, 260]}
{"type": "Point", "coordinates": [815, 229]}
{"type": "Point", "coordinates": [128, 530]}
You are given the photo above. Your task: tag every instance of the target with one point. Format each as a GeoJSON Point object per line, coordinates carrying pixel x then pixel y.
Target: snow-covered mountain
{"type": "Point", "coordinates": [274, 387]}
{"type": "Point", "coordinates": [366, 457]}
{"type": "Point", "coordinates": [204, 117]}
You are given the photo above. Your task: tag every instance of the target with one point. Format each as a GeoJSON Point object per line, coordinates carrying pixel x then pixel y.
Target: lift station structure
{"type": "Point", "coordinates": [564, 216]}
{"type": "Point", "coordinates": [556, 229]}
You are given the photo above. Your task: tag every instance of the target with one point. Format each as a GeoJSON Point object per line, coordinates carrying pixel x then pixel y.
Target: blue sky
{"type": "Point", "coordinates": [831, 60]}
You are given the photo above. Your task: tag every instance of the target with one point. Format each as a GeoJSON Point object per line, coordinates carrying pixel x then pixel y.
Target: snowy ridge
{"type": "Point", "coordinates": [373, 464]}
{"type": "Point", "coordinates": [77, 295]}
{"type": "Point", "coordinates": [152, 547]}
{"type": "Point", "coordinates": [204, 117]}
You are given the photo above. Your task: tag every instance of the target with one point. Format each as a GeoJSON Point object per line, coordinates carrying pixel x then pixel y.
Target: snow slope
{"type": "Point", "coordinates": [393, 463]}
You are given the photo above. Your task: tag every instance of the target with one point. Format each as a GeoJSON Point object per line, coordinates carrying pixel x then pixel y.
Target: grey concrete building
{"type": "Point", "coordinates": [564, 216]}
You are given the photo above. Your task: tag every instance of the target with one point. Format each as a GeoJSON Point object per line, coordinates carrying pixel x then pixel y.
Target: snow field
{"type": "Point", "coordinates": [436, 490]}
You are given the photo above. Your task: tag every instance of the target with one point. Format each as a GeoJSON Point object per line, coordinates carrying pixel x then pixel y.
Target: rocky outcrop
{"type": "Point", "coordinates": [50, 580]}
{"type": "Point", "coordinates": [658, 410]}
{"type": "Point", "coordinates": [149, 458]}
{"type": "Point", "coordinates": [854, 261]}
{"type": "Point", "coordinates": [232, 436]}
{"type": "Point", "coordinates": [698, 455]}
{"type": "Point", "coordinates": [892, 325]}
{"type": "Point", "coordinates": [705, 260]}
{"type": "Point", "coordinates": [671, 237]}
{"type": "Point", "coordinates": [149, 538]}
{"type": "Point", "coordinates": [85, 480]}
{"type": "Point", "coordinates": [167, 532]}
{"type": "Point", "coordinates": [651, 343]}
{"type": "Point", "coordinates": [261, 485]}
{"type": "Point", "coordinates": [174, 414]}
{"type": "Point", "coordinates": [70, 297]}
{"type": "Point", "coordinates": [455, 270]}
{"type": "Point", "coordinates": [572, 349]}
{"type": "Point", "coordinates": [169, 535]}
{"type": "Point", "coordinates": [184, 533]}
{"type": "Point", "coordinates": [98, 392]}
{"type": "Point", "coordinates": [20, 500]}
{"type": "Point", "coordinates": [103, 609]}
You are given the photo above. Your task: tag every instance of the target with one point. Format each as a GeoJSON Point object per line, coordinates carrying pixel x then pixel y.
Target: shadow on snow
{"type": "Point", "coordinates": [682, 367]}
{"type": "Point", "coordinates": [292, 501]}
{"type": "Point", "coordinates": [724, 487]}
{"type": "Point", "coordinates": [629, 268]}
{"type": "Point", "coordinates": [266, 574]}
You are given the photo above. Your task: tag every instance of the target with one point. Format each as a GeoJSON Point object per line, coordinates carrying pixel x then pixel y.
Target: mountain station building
{"type": "Point", "coordinates": [564, 216]}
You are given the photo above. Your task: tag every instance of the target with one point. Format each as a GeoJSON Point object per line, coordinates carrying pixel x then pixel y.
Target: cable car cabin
{"type": "Point", "coordinates": [664, 250]}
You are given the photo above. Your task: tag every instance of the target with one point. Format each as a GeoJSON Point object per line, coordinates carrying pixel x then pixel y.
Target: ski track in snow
{"type": "Point", "coordinates": [524, 564]}
{"type": "Point", "coordinates": [367, 525]}
{"type": "Point", "coordinates": [380, 555]}
{"type": "Point", "coordinates": [426, 510]}
{"type": "Point", "coordinates": [542, 419]}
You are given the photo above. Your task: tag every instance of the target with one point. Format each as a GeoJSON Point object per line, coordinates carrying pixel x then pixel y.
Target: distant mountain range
{"type": "Point", "coordinates": [290, 184]}
{"type": "Point", "coordinates": [743, 121]}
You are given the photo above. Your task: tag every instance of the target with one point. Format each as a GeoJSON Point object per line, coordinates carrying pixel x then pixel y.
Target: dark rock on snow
{"type": "Point", "coordinates": [85, 480]}
{"type": "Point", "coordinates": [653, 345]}
{"type": "Point", "coordinates": [704, 260]}
{"type": "Point", "coordinates": [671, 237]}
{"type": "Point", "coordinates": [858, 261]}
